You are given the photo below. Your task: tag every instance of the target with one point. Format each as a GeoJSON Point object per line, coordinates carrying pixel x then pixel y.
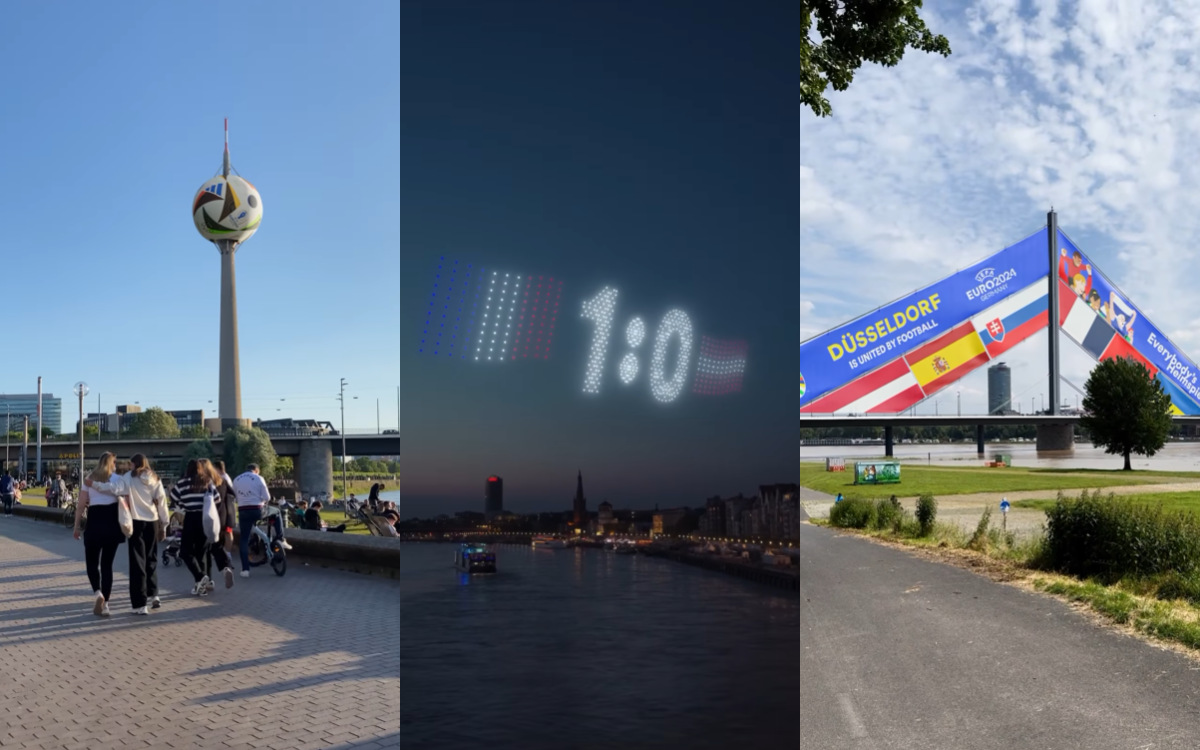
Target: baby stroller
{"type": "Point", "coordinates": [174, 540]}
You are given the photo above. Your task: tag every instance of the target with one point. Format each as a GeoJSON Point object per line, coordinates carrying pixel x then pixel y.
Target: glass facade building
{"type": "Point", "coordinates": [15, 406]}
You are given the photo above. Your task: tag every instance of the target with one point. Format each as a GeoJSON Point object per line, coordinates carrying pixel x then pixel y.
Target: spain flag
{"type": "Point", "coordinates": [947, 358]}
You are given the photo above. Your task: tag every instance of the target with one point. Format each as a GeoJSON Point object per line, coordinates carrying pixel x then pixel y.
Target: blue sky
{"type": "Point", "coordinates": [112, 121]}
{"type": "Point", "coordinates": [652, 151]}
{"type": "Point", "coordinates": [935, 163]}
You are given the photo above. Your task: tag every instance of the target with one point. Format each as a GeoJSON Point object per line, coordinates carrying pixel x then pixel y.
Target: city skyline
{"type": "Point", "coordinates": [318, 285]}
{"type": "Point", "coordinates": [667, 316]}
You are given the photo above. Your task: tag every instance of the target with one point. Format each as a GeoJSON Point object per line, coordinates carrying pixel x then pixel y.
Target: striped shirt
{"type": "Point", "coordinates": [191, 499]}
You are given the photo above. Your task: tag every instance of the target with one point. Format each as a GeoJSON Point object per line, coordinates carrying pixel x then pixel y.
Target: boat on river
{"type": "Point", "coordinates": [475, 558]}
{"type": "Point", "coordinates": [548, 542]}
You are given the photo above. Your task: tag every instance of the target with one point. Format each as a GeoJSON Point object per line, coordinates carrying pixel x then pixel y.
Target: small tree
{"type": "Point", "coordinates": [1125, 410]}
{"type": "Point", "coordinates": [152, 423]}
{"type": "Point", "coordinates": [248, 445]}
{"type": "Point", "coordinates": [197, 449]}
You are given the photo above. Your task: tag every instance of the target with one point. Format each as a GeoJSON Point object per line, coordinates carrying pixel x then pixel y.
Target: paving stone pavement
{"type": "Point", "coordinates": [309, 660]}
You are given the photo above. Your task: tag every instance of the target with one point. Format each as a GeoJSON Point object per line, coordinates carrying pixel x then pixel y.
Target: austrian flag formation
{"type": "Point", "coordinates": [901, 354]}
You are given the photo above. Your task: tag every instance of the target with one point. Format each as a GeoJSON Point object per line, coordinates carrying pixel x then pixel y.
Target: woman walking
{"type": "Point", "coordinates": [373, 497]}
{"type": "Point", "coordinates": [103, 534]}
{"type": "Point", "coordinates": [226, 499]}
{"type": "Point", "coordinates": [189, 492]}
{"type": "Point", "coordinates": [148, 506]}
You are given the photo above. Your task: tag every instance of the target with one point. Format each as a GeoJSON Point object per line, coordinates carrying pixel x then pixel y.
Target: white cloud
{"type": "Point", "coordinates": [925, 167]}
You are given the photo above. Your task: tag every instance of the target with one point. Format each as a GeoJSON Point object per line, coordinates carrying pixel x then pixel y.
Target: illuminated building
{"type": "Point", "coordinates": [665, 521]}
{"type": "Point", "coordinates": [580, 505]}
{"type": "Point", "coordinates": [493, 494]}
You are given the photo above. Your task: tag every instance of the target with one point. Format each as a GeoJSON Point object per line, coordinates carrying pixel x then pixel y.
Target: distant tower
{"type": "Point", "coordinates": [227, 211]}
{"type": "Point", "coordinates": [999, 389]}
{"type": "Point", "coordinates": [580, 502]}
{"type": "Point", "coordinates": [493, 494]}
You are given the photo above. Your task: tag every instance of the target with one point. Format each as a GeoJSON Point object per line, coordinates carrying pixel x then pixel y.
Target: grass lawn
{"type": "Point", "coordinates": [1189, 502]}
{"type": "Point", "coordinates": [917, 479]}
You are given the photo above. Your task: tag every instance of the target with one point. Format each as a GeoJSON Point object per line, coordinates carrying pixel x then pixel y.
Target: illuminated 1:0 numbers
{"type": "Point", "coordinates": [602, 309]}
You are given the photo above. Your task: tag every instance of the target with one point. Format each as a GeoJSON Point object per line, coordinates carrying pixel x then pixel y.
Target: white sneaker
{"type": "Point", "coordinates": [283, 543]}
{"type": "Point", "coordinates": [210, 586]}
{"type": "Point", "coordinates": [141, 611]}
{"type": "Point", "coordinates": [201, 587]}
{"type": "Point", "coordinates": [100, 606]}
{"type": "Point", "coordinates": [104, 612]}
{"type": "Point", "coordinates": [228, 577]}
{"type": "Point", "coordinates": [245, 574]}
{"type": "Point", "coordinates": [155, 603]}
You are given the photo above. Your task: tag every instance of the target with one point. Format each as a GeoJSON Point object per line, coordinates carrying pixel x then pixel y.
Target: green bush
{"type": "Point", "coordinates": [1111, 538]}
{"type": "Point", "coordinates": [926, 513]}
{"type": "Point", "coordinates": [887, 515]}
{"type": "Point", "coordinates": [853, 513]}
{"type": "Point", "coordinates": [1176, 586]}
{"type": "Point", "coordinates": [981, 537]}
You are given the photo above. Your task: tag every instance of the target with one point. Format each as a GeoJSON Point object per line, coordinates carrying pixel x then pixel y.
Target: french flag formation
{"type": "Point", "coordinates": [907, 380]}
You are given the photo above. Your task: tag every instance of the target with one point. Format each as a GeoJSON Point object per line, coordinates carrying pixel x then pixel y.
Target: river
{"type": "Point", "coordinates": [1179, 456]}
{"type": "Point", "coordinates": [588, 649]}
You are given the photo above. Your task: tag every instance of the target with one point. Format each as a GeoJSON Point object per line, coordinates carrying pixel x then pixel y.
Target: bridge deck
{"type": "Point", "coordinates": [308, 660]}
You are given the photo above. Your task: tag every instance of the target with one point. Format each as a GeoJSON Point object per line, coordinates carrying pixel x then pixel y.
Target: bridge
{"type": "Point", "coordinates": [885, 362]}
{"type": "Point", "coordinates": [311, 454]}
{"type": "Point", "coordinates": [890, 421]}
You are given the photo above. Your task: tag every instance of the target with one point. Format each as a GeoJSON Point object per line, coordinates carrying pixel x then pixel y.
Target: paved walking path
{"type": "Point", "coordinates": [310, 660]}
{"type": "Point", "coordinates": [900, 653]}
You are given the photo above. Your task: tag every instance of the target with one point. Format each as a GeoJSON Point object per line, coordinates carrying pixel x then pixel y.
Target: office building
{"type": "Point", "coordinates": [999, 389]}
{"type": "Point", "coordinates": [13, 407]}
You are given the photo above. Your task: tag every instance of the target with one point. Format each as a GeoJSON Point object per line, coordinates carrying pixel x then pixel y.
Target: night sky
{"type": "Point", "coordinates": [651, 147]}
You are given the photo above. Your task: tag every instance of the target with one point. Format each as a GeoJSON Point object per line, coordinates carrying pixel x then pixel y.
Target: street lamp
{"type": "Point", "coordinates": [342, 400]}
{"type": "Point", "coordinates": [960, 402]}
{"type": "Point", "coordinates": [81, 390]}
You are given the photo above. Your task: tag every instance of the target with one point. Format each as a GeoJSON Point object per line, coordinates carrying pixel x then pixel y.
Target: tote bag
{"type": "Point", "coordinates": [124, 516]}
{"type": "Point", "coordinates": [212, 519]}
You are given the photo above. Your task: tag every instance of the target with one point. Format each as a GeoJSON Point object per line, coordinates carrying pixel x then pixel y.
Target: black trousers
{"type": "Point", "coordinates": [216, 554]}
{"type": "Point", "coordinates": [198, 555]}
{"type": "Point", "coordinates": [143, 563]}
{"type": "Point", "coordinates": [100, 541]}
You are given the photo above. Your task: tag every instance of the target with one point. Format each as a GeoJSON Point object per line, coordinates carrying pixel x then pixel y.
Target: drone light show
{"type": "Point", "coordinates": [491, 315]}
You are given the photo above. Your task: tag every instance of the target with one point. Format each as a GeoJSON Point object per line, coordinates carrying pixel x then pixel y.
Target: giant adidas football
{"type": "Point", "coordinates": [227, 208]}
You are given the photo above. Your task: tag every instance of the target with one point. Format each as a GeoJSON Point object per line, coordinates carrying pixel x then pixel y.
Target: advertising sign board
{"type": "Point", "coordinates": [876, 472]}
{"type": "Point", "coordinates": [1098, 316]}
{"type": "Point", "coordinates": [838, 356]}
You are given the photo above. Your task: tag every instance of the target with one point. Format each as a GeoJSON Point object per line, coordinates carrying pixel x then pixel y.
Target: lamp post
{"type": "Point", "coordinates": [377, 430]}
{"type": "Point", "coordinates": [25, 446]}
{"type": "Point", "coordinates": [7, 430]}
{"type": "Point", "coordinates": [960, 402]}
{"type": "Point", "coordinates": [342, 400]}
{"type": "Point", "coordinates": [81, 390]}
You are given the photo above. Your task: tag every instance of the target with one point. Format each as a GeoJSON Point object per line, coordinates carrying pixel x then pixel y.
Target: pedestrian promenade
{"type": "Point", "coordinates": [310, 660]}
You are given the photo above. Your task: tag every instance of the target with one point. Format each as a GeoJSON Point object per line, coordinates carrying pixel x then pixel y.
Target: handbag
{"type": "Point", "coordinates": [124, 516]}
{"type": "Point", "coordinates": [212, 518]}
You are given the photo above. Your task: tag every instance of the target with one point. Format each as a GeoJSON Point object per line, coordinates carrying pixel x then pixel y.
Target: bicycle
{"type": "Point", "coordinates": [69, 515]}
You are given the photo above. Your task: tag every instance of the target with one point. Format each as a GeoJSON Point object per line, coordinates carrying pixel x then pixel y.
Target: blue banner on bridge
{"type": "Point", "coordinates": [834, 358]}
{"type": "Point", "coordinates": [1100, 318]}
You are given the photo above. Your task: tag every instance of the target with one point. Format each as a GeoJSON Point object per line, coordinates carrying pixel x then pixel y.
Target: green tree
{"type": "Point", "coordinates": [1125, 410]}
{"type": "Point", "coordinates": [193, 431]}
{"type": "Point", "coordinates": [284, 467]}
{"type": "Point", "coordinates": [852, 32]}
{"type": "Point", "coordinates": [152, 423]}
{"type": "Point", "coordinates": [202, 448]}
{"type": "Point", "coordinates": [249, 445]}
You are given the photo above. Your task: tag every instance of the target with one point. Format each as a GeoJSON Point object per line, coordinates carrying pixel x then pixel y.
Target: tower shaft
{"type": "Point", "coordinates": [230, 398]}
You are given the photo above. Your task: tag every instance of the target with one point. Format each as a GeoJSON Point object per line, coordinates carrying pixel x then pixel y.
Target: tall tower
{"type": "Point", "coordinates": [999, 389]}
{"type": "Point", "coordinates": [580, 502]}
{"type": "Point", "coordinates": [227, 211]}
{"type": "Point", "coordinates": [493, 494]}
